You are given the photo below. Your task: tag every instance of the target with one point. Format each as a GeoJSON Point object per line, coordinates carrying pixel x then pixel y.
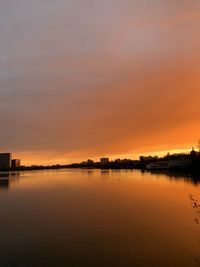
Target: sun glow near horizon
{"type": "Point", "coordinates": [39, 158]}
{"type": "Point", "coordinates": [115, 78]}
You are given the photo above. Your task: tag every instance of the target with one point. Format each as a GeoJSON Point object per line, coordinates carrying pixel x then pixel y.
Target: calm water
{"type": "Point", "coordinates": [93, 218]}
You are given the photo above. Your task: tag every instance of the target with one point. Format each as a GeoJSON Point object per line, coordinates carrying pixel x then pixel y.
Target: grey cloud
{"type": "Point", "coordinates": [96, 76]}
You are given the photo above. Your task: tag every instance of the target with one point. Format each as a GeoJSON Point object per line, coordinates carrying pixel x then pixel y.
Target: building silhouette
{"type": "Point", "coordinates": [5, 161]}
{"type": "Point", "coordinates": [104, 160]}
{"type": "Point", "coordinates": [15, 163]}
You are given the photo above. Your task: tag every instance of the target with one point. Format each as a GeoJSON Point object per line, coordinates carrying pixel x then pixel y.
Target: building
{"type": "Point", "coordinates": [193, 153]}
{"type": "Point", "coordinates": [5, 161]}
{"type": "Point", "coordinates": [169, 164]}
{"type": "Point", "coordinates": [104, 160]}
{"type": "Point", "coordinates": [160, 165]}
{"type": "Point", "coordinates": [15, 163]}
{"type": "Point", "coordinates": [180, 163]}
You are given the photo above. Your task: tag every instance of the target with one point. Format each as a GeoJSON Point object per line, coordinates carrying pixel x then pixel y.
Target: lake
{"type": "Point", "coordinates": [98, 218]}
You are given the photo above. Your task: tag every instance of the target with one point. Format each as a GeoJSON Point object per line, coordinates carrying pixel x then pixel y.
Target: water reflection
{"type": "Point", "coordinates": [159, 174]}
{"type": "Point", "coordinates": [7, 178]}
{"type": "Point", "coordinates": [176, 176]}
{"type": "Point", "coordinates": [90, 172]}
{"type": "Point", "coordinates": [117, 218]}
{"type": "Point", "coordinates": [105, 174]}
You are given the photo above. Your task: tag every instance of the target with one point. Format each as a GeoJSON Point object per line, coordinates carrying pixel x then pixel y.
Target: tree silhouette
{"type": "Point", "coordinates": [198, 145]}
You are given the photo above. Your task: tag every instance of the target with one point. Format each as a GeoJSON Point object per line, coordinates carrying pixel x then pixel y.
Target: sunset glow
{"type": "Point", "coordinates": [86, 79]}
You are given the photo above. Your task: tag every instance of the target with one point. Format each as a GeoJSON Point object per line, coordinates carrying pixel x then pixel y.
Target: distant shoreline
{"type": "Point", "coordinates": [175, 162]}
{"type": "Point", "coordinates": [71, 166]}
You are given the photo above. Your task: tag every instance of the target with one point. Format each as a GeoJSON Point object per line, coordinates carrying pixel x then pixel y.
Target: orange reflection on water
{"type": "Point", "coordinates": [102, 218]}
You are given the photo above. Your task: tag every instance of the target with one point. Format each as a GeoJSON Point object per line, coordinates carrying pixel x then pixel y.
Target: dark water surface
{"type": "Point", "coordinates": [94, 218]}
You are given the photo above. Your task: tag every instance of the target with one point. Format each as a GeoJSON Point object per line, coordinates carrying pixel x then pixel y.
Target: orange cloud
{"type": "Point", "coordinates": [115, 78]}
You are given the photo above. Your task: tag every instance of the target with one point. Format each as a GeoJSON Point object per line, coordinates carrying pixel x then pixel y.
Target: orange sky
{"type": "Point", "coordinates": [85, 79]}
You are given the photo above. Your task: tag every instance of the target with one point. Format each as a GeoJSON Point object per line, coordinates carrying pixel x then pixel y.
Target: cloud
{"type": "Point", "coordinates": [98, 77]}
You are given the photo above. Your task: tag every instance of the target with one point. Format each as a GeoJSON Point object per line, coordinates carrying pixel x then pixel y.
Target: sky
{"type": "Point", "coordinates": [86, 78]}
